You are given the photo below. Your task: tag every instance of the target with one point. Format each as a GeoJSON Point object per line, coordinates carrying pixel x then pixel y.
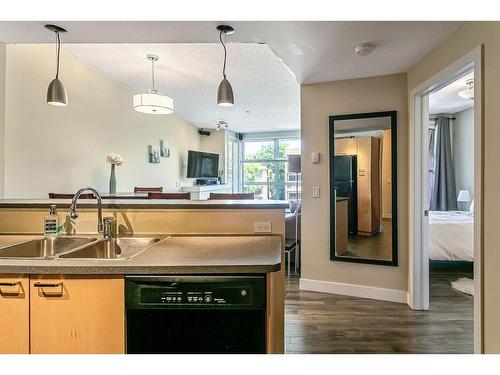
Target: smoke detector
{"type": "Point", "coordinates": [364, 49]}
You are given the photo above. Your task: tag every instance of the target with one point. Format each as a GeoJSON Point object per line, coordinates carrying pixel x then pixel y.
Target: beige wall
{"type": "Point", "coordinates": [2, 116]}
{"type": "Point", "coordinates": [215, 143]}
{"type": "Point", "coordinates": [318, 102]}
{"type": "Point", "coordinates": [464, 40]}
{"type": "Point", "coordinates": [61, 149]}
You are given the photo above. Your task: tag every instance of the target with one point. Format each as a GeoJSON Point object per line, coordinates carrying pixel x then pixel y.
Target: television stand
{"type": "Point", "coordinates": [206, 181]}
{"type": "Point", "coordinates": [203, 192]}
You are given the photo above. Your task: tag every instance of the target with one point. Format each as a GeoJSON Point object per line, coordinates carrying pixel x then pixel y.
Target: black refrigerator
{"type": "Point", "coordinates": [345, 183]}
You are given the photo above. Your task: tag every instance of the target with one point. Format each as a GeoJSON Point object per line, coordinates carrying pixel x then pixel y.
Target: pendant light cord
{"type": "Point", "coordinates": [58, 52]}
{"type": "Point", "coordinates": [153, 74]}
{"type": "Point", "coordinates": [225, 55]}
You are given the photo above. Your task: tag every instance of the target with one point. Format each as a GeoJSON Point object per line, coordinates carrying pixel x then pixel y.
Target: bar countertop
{"type": "Point", "coordinates": [174, 255]}
{"type": "Point", "coordinates": [150, 204]}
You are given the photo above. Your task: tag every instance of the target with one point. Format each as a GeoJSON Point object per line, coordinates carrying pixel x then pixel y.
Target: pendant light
{"type": "Point", "coordinates": [153, 102]}
{"type": "Point", "coordinates": [225, 96]}
{"type": "Point", "coordinates": [56, 93]}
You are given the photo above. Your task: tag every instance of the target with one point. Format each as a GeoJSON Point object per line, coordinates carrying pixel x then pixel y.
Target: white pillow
{"type": "Point", "coordinates": [471, 208]}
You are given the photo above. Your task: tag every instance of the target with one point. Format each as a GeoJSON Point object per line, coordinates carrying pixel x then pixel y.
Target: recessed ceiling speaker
{"type": "Point", "coordinates": [364, 49]}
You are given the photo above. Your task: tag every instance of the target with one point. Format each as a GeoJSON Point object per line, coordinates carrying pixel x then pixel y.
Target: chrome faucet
{"type": "Point", "coordinates": [108, 231]}
{"type": "Point", "coordinates": [74, 214]}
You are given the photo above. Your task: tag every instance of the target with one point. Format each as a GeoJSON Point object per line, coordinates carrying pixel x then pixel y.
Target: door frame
{"type": "Point", "coordinates": [418, 288]}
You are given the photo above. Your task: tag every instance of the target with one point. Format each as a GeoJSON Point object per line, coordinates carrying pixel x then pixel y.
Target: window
{"type": "Point", "coordinates": [265, 168]}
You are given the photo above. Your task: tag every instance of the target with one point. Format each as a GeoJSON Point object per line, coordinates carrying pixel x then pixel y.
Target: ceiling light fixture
{"type": "Point", "coordinates": [222, 124]}
{"type": "Point", "coordinates": [364, 49]}
{"type": "Point", "coordinates": [225, 96]}
{"type": "Point", "coordinates": [153, 102]}
{"type": "Point", "coordinates": [468, 93]}
{"type": "Point", "coordinates": [56, 93]}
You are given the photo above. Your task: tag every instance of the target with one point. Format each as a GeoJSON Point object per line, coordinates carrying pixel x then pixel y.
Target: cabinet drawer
{"type": "Point", "coordinates": [14, 314]}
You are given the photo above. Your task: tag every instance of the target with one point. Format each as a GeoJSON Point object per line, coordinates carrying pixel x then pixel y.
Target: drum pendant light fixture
{"type": "Point", "coordinates": [225, 96]}
{"type": "Point", "coordinates": [56, 93]}
{"type": "Point", "coordinates": [153, 102]}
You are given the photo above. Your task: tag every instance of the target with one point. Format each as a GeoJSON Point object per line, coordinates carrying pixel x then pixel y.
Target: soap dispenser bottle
{"type": "Point", "coordinates": [51, 222]}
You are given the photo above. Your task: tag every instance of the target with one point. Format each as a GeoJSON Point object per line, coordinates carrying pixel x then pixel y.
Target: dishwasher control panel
{"type": "Point", "coordinates": [201, 291]}
{"type": "Point", "coordinates": [190, 297]}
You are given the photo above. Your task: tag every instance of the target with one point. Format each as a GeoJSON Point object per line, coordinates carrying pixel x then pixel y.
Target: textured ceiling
{"type": "Point", "coordinates": [266, 94]}
{"type": "Point", "coordinates": [447, 100]}
{"type": "Point", "coordinates": [311, 51]}
{"type": "Point", "coordinates": [314, 51]}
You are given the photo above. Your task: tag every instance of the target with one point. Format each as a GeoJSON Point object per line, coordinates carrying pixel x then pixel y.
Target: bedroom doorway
{"type": "Point", "coordinates": [445, 256]}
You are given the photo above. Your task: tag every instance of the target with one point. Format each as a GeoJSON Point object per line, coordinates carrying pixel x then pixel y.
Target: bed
{"type": "Point", "coordinates": [451, 235]}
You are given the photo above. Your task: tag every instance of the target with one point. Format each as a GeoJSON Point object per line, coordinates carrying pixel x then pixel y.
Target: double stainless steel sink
{"type": "Point", "coordinates": [80, 248]}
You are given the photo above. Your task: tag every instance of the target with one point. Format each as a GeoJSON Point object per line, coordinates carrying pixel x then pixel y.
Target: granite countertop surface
{"type": "Point", "coordinates": [173, 255]}
{"type": "Point", "coordinates": [147, 204]}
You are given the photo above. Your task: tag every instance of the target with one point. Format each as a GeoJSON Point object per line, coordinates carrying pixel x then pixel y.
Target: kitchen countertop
{"type": "Point", "coordinates": [175, 255]}
{"type": "Point", "coordinates": [147, 204]}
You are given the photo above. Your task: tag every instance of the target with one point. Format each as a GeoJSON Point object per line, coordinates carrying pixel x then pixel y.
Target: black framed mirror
{"type": "Point", "coordinates": [363, 188]}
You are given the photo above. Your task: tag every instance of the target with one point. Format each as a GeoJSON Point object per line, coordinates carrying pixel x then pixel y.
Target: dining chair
{"type": "Point", "coordinates": [169, 195]}
{"type": "Point", "coordinates": [139, 189]}
{"type": "Point", "coordinates": [230, 196]}
{"type": "Point", "coordinates": [69, 196]}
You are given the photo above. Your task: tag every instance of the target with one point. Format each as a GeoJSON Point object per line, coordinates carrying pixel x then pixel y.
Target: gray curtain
{"type": "Point", "coordinates": [443, 195]}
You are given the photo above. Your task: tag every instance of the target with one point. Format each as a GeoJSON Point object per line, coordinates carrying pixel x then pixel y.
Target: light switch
{"type": "Point", "coordinates": [315, 191]}
{"type": "Point", "coordinates": [315, 156]}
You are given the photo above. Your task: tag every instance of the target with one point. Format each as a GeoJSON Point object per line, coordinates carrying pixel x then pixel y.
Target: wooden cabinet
{"type": "Point", "coordinates": [77, 315]}
{"type": "Point", "coordinates": [369, 170]}
{"type": "Point", "coordinates": [14, 314]}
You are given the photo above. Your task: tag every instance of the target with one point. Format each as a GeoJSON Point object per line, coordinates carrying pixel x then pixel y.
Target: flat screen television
{"type": "Point", "coordinates": [202, 165]}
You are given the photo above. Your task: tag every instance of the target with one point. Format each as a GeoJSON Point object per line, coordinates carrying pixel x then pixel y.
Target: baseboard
{"type": "Point", "coordinates": [353, 290]}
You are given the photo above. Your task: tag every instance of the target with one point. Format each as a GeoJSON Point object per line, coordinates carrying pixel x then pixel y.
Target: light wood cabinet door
{"type": "Point", "coordinates": [14, 314]}
{"type": "Point", "coordinates": [77, 315]}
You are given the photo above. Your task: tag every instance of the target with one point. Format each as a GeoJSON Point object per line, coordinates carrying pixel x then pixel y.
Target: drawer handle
{"type": "Point", "coordinates": [11, 284]}
{"type": "Point", "coordinates": [14, 283]}
{"type": "Point", "coordinates": [47, 285]}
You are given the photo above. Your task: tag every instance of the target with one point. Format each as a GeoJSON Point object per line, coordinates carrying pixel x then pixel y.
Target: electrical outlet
{"type": "Point", "coordinates": [262, 227]}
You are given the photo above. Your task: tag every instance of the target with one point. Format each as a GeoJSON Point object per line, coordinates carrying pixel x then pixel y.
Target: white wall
{"type": "Point", "coordinates": [2, 116]}
{"type": "Point", "coordinates": [463, 150]}
{"type": "Point", "coordinates": [60, 149]}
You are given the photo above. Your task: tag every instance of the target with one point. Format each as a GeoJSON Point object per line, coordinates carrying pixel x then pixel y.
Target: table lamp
{"type": "Point", "coordinates": [463, 200]}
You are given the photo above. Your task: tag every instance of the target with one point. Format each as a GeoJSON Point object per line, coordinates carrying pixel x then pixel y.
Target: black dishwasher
{"type": "Point", "coordinates": [195, 314]}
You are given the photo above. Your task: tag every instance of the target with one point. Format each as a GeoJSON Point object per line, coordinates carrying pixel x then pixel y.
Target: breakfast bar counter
{"type": "Point", "coordinates": [150, 239]}
{"type": "Point", "coordinates": [171, 255]}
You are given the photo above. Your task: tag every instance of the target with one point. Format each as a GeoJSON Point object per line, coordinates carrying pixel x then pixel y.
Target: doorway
{"type": "Point", "coordinates": [430, 203]}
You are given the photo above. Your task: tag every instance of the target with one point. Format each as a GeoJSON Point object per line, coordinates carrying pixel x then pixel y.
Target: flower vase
{"type": "Point", "coordinates": [112, 180]}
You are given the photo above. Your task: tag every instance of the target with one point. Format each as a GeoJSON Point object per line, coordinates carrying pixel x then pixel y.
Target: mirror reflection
{"type": "Point", "coordinates": [362, 187]}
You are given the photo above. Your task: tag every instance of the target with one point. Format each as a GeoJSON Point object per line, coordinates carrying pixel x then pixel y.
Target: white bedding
{"type": "Point", "coordinates": [451, 235]}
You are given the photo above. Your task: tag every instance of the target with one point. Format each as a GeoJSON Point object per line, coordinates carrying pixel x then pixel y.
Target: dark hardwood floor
{"type": "Point", "coordinates": [327, 323]}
